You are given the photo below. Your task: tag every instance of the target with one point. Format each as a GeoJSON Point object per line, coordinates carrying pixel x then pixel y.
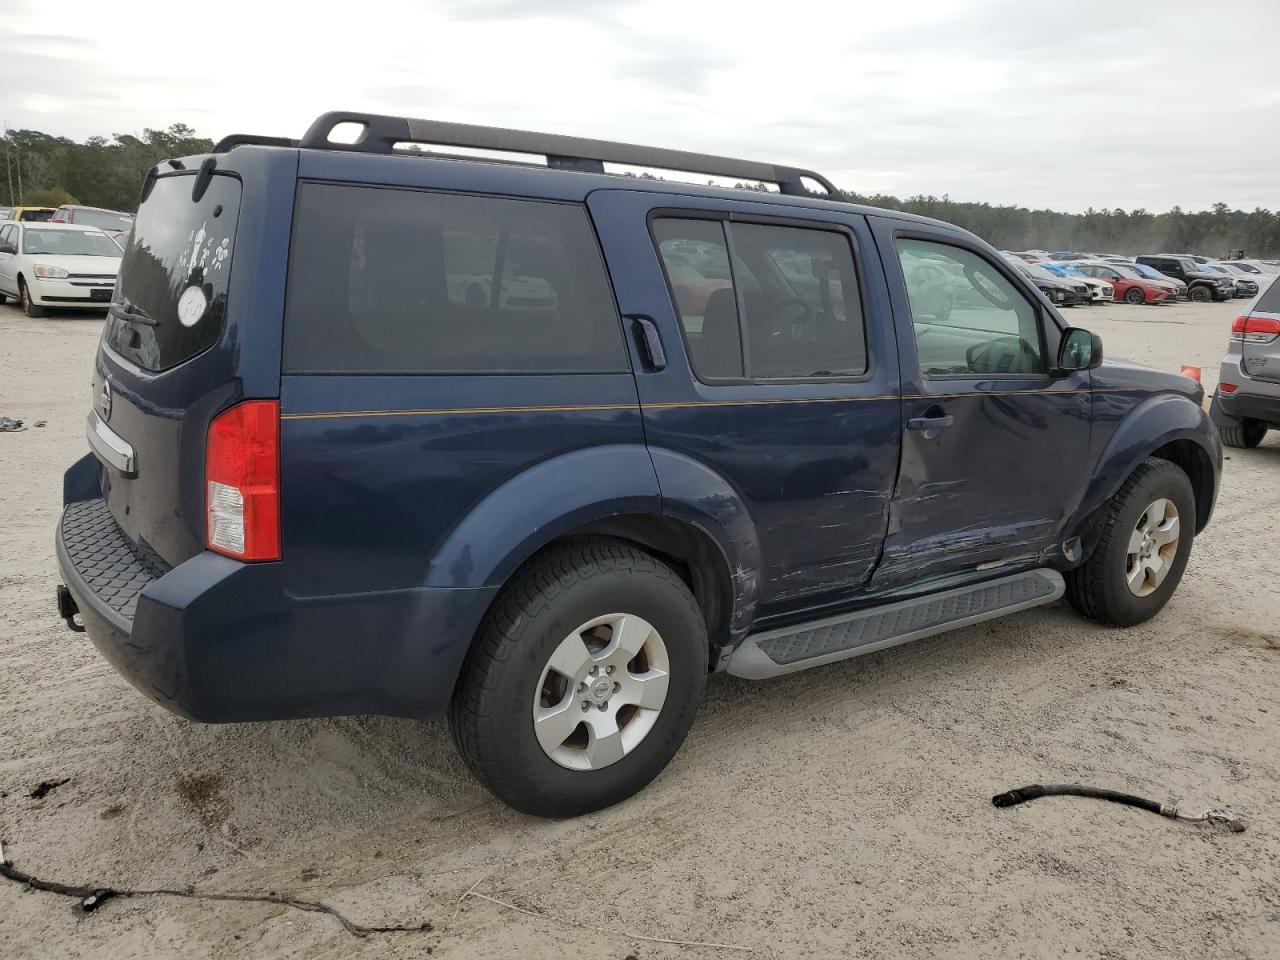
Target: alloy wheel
{"type": "Point", "coordinates": [1153, 545]}
{"type": "Point", "coordinates": [601, 692]}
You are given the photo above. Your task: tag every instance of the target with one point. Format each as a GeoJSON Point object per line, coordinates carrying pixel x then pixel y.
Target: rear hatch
{"type": "Point", "coordinates": [164, 367]}
{"type": "Point", "coordinates": [1260, 328]}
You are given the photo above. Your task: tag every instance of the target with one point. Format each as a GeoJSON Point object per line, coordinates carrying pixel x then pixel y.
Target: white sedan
{"type": "Point", "coordinates": [60, 265]}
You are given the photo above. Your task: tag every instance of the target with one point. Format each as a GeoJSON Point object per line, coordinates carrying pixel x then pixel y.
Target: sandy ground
{"type": "Point", "coordinates": [842, 812]}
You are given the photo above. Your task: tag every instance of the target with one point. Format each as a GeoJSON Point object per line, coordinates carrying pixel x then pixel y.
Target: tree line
{"type": "Point", "coordinates": [43, 170]}
{"type": "Point", "coordinates": [40, 170]}
{"type": "Point", "coordinates": [1212, 232]}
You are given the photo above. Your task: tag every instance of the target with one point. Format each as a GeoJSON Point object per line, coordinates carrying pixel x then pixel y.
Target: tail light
{"type": "Point", "coordinates": [242, 481]}
{"type": "Point", "coordinates": [1255, 328]}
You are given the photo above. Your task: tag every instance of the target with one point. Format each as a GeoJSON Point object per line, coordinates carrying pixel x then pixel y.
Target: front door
{"type": "Point", "coordinates": [8, 235]}
{"type": "Point", "coordinates": [995, 446]}
{"type": "Point", "coordinates": [781, 378]}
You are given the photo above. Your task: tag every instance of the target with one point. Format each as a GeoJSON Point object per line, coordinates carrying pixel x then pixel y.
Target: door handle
{"type": "Point", "coordinates": [930, 423]}
{"type": "Point", "coordinates": [933, 420]}
{"type": "Point", "coordinates": [651, 342]}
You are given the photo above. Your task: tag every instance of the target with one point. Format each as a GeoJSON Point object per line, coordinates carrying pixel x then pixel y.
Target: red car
{"type": "Point", "coordinates": [1130, 285]}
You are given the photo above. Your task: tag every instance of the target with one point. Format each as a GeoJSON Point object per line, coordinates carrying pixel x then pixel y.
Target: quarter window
{"type": "Point", "coordinates": [969, 320]}
{"type": "Point", "coordinates": [385, 281]}
{"type": "Point", "coordinates": [764, 302]}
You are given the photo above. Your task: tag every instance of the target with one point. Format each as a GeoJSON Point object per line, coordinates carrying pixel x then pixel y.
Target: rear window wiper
{"type": "Point", "coordinates": [132, 315]}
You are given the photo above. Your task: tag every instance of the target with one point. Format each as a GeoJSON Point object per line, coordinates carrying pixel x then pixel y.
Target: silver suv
{"type": "Point", "coordinates": [1247, 402]}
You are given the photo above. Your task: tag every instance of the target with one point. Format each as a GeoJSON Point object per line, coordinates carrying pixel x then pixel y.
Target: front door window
{"type": "Point", "coordinates": [969, 320]}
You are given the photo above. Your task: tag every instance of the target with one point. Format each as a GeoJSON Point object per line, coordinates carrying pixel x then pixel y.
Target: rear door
{"type": "Point", "coordinates": [781, 374]}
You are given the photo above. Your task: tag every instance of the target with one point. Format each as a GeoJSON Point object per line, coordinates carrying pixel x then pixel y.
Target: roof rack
{"type": "Point", "coordinates": [250, 139]}
{"type": "Point", "coordinates": [382, 134]}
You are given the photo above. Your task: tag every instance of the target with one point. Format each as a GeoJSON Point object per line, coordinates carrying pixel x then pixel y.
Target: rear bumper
{"type": "Point", "coordinates": [217, 640]}
{"type": "Point", "coordinates": [1244, 406]}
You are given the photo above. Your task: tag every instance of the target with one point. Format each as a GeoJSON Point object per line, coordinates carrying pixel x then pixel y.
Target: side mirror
{"type": "Point", "coordinates": [8, 248]}
{"type": "Point", "coordinates": [1079, 350]}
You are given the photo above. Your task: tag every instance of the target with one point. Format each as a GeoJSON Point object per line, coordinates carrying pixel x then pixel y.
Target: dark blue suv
{"type": "Point", "coordinates": [537, 446]}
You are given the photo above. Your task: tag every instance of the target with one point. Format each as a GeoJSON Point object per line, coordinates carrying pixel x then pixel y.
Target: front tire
{"type": "Point", "coordinates": [1200, 294]}
{"type": "Point", "coordinates": [584, 680]}
{"type": "Point", "coordinates": [29, 306]}
{"type": "Point", "coordinates": [1135, 295]}
{"type": "Point", "coordinates": [1139, 559]}
{"type": "Point", "coordinates": [1245, 436]}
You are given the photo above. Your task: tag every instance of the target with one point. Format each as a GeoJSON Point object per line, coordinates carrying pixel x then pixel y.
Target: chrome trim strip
{"type": "Point", "coordinates": [111, 448]}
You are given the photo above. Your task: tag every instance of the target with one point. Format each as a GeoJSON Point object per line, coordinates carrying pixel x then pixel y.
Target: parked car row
{"type": "Point", "coordinates": [1158, 278]}
{"type": "Point", "coordinates": [64, 265]}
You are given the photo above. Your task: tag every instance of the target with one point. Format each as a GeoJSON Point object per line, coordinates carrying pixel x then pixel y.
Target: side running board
{"type": "Point", "coordinates": [864, 631]}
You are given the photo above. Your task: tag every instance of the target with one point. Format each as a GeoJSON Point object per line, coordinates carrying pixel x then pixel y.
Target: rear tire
{"type": "Point", "coordinates": [29, 307]}
{"type": "Point", "coordinates": [1200, 294]}
{"type": "Point", "coordinates": [527, 716]}
{"type": "Point", "coordinates": [1246, 436]}
{"type": "Point", "coordinates": [1135, 295]}
{"type": "Point", "coordinates": [1135, 568]}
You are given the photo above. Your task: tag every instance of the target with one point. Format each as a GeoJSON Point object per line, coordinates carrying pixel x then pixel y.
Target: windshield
{"type": "Point", "coordinates": [175, 272]}
{"type": "Point", "coordinates": [104, 219]}
{"type": "Point", "coordinates": [69, 243]}
{"type": "Point", "coordinates": [1036, 270]}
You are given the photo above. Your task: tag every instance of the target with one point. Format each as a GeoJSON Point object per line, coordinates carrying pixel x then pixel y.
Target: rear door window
{"type": "Point", "coordinates": [764, 302]}
{"type": "Point", "coordinates": [172, 291]}
{"type": "Point", "coordinates": [409, 281]}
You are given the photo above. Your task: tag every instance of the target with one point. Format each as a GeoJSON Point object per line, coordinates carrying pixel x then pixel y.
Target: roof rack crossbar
{"type": "Point", "coordinates": [381, 134]}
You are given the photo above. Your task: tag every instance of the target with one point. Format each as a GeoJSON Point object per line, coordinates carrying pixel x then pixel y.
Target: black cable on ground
{"type": "Point", "coordinates": [92, 897]}
{"type": "Point", "coordinates": [1036, 790]}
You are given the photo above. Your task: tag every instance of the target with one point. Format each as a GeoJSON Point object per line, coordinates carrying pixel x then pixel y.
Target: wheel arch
{"type": "Point", "coordinates": [610, 491]}
{"type": "Point", "coordinates": [1169, 427]}
{"type": "Point", "coordinates": [694, 555]}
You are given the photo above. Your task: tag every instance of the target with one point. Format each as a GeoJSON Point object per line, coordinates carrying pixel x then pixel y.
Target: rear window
{"type": "Point", "coordinates": [36, 216]}
{"type": "Point", "coordinates": [407, 281]}
{"type": "Point", "coordinates": [172, 290]}
{"type": "Point", "coordinates": [1269, 302]}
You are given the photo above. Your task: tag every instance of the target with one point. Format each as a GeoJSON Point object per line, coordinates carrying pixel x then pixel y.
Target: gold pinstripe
{"type": "Point", "coordinates": [675, 405]}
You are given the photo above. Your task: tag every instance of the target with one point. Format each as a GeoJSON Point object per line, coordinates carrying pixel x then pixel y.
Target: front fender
{"type": "Point", "coordinates": [1152, 424]}
{"type": "Point", "coordinates": [539, 504]}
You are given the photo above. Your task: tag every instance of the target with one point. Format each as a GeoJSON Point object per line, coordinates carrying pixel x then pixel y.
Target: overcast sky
{"type": "Point", "coordinates": [1039, 102]}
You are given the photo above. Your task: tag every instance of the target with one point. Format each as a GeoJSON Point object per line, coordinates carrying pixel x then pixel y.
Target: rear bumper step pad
{"type": "Point", "coordinates": [838, 638]}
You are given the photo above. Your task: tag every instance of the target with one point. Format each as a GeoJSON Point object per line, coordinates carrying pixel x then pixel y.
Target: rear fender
{"type": "Point", "coordinates": [693, 493]}
{"type": "Point", "coordinates": [538, 505]}
{"type": "Point", "coordinates": [1155, 423]}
